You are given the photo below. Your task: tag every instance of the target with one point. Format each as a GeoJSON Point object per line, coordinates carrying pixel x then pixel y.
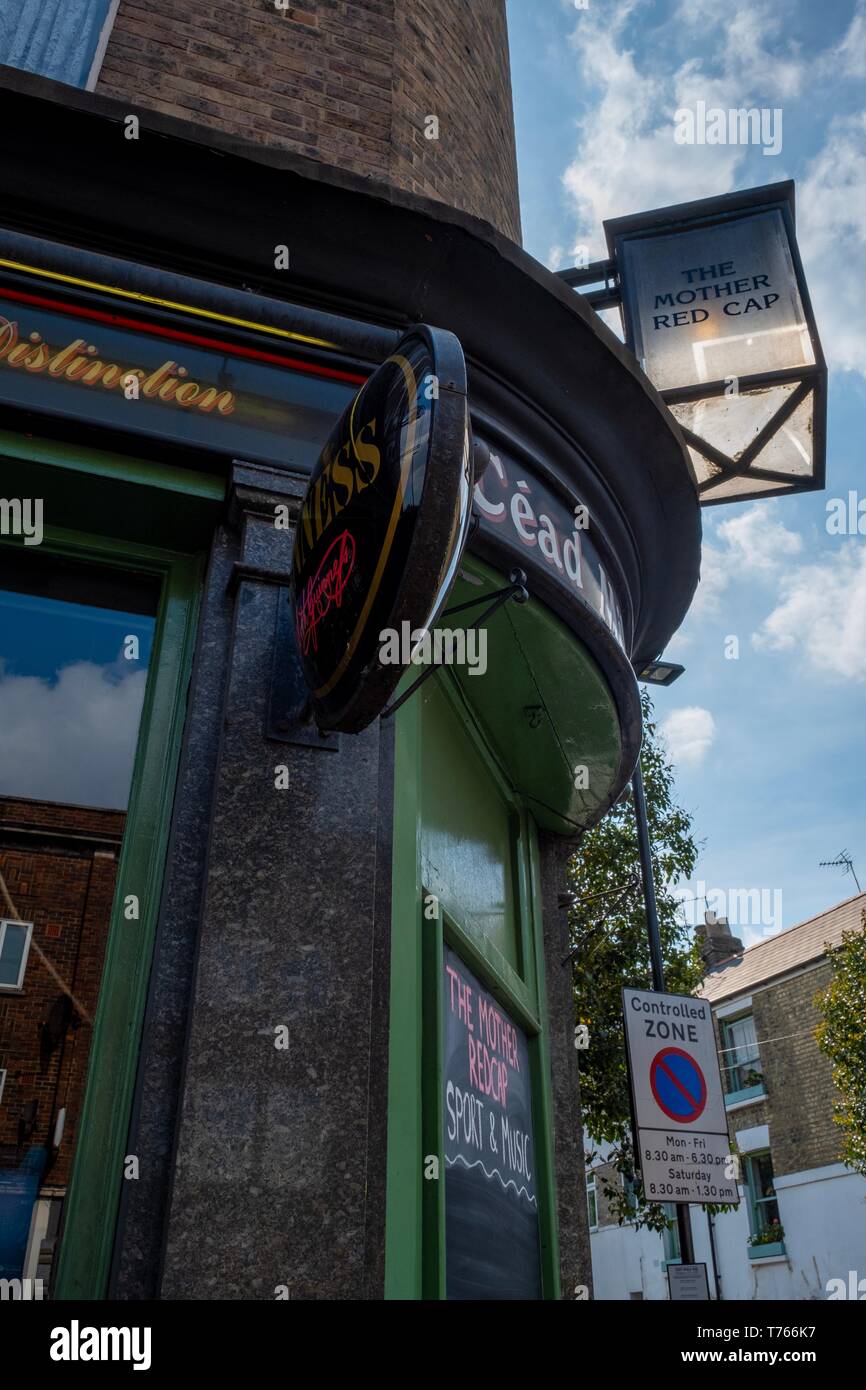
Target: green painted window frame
{"type": "Point", "coordinates": [415, 1206]}
{"type": "Point", "coordinates": [671, 1237]}
{"type": "Point", "coordinates": [592, 1202]}
{"type": "Point", "coordinates": [93, 1195]}
{"type": "Point", "coordinates": [758, 1251]}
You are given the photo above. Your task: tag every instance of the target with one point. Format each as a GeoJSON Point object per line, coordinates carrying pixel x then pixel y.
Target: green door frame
{"type": "Point", "coordinates": [415, 1204]}
{"type": "Point", "coordinates": [93, 1196]}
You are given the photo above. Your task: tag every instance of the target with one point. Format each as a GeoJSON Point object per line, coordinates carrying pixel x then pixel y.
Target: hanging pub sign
{"type": "Point", "coordinates": [717, 311]}
{"type": "Point", "coordinates": [382, 527]}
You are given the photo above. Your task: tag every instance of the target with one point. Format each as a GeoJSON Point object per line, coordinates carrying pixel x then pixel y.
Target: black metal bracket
{"type": "Point", "coordinates": [516, 589]}
{"type": "Point", "coordinates": [290, 717]}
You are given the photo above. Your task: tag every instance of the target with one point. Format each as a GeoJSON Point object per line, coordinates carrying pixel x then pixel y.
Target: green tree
{"type": "Point", "coordinates": [610, 949]}
{"type": "Point", "coordinates": [841, 1036]}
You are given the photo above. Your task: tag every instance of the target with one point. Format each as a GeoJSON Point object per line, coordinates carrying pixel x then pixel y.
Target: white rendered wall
{"type": "Point", "coordinates": [823, 1212]}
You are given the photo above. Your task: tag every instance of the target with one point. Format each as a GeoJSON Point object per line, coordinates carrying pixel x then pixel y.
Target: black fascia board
{"type": "Point", "coordinates": [197, 202]}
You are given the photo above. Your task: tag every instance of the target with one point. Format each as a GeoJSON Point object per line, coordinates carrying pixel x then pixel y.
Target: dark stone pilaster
{"type": "Point", "coordinates": [276, 911]}
{"type": "Point", "coordinates": [574, 1251]}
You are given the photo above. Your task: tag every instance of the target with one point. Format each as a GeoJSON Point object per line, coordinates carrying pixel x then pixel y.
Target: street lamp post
{"type": "Point", "coordinates": [684, 1225]}
{"type": "Point", "coordinates": [661, 672]}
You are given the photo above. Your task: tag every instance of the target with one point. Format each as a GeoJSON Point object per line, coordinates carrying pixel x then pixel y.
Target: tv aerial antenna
{"type": "Point", "coordinates": [842, 860]}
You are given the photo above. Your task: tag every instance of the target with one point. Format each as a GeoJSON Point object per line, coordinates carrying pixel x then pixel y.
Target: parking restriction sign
{"type": "Point", "coordinates": [680, 1124]}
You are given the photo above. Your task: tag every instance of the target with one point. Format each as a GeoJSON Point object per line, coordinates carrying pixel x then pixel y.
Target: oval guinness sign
{"type": "Point", "coordinates": [382, 525]}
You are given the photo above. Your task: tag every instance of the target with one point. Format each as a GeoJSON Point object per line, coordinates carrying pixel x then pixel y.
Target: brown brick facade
{"type": "Point", "coordinates": [59, 864]}
{"type": "Point", "coordinates": [348, 82]}
{"type": "Point", "coordinates": [798, 1107]}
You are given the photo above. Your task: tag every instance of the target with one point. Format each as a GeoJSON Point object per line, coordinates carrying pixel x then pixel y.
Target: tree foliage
{"type": "Point", "coordinates": [610, 950]}
{"type": "Point", "coordinates": [841, 1036]}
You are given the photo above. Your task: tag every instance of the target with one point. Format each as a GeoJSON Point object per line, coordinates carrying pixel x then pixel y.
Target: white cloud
{"type": "Point", "coordinates": [688, 734]}
{"type": "Point", "coordinates": [627, 160]}
{"type": "Point", "coordinates": [822, 616]}
{"type": "Point", "coordinates": [756, 544]}
{"type": "Point", "coordinates": [72, 741]}
{"type": "Point", "coordinates": [715, 578]}
{"type": "Point", "coordinates": [749, 545]}
{"type": "Point", "coordinates": [831, 231]}
{"type": "Point", "coordinates": [848, 58]}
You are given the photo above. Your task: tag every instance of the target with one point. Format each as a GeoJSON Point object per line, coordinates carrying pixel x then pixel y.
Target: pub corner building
{"type": "Point", "coordinates": [286, 996]}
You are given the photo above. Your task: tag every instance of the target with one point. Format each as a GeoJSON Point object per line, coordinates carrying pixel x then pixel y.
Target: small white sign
{"type": "Point", "coordinates": [688, 1283]}
{"type": "Point", "coordinates": [681, 1130]}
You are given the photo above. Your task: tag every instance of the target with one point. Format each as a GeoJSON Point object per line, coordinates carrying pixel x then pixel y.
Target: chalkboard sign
{"type": "Point", "coordinates": [491, 1202]}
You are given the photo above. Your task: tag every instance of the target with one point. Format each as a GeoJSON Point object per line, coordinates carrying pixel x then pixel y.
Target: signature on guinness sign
{"type": "Point", "coordinates": [382, 525]}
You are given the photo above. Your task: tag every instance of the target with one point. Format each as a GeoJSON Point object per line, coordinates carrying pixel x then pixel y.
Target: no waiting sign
{"type": "Point", "coordinates": [681, 1128]}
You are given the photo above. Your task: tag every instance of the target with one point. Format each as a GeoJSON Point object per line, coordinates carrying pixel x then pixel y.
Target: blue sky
{"type": "Point", "coordinates": [770, 749]}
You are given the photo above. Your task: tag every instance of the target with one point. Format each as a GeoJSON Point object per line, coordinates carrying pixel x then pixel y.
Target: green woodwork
{"type": "Point", "coordinates": [545, 705]}
{"type": "Point", "coordinates": [129, 499]}
{"type": "Point", "coordinates": [463, 833]}
{"type": "Point", "coordinates": [75, 487]}
{"type": "Point", "coordinates": [467, 831]}
{"type": "Point", "coordinates": [405, 1180]}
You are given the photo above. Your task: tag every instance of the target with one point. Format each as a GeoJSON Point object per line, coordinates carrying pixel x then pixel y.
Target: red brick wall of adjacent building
{"type": "Point", "coordinates": [59, 864]}
{"type": "Point", "coordinates": [348, 82]}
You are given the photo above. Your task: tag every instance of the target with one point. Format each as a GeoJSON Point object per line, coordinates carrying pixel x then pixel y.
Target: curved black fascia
{"type": "Point", "coordinates": [594, 635]}
{"type": "Point", "coordinates": [199, 203]}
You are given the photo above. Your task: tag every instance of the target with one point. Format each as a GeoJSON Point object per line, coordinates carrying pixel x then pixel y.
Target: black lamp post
{"type": "Point", "coordinates": [658, 673]}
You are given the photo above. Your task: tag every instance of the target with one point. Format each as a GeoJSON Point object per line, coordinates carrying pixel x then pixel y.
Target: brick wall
{"type": "Point", "coordinates": [798, 1107]}
{"type": "Point", "coordinates": [59, 865]}
{"type": "Point", "coordinates": [349, 82]}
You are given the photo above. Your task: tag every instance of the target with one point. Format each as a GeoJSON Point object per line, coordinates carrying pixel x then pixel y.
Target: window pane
{"type": "Point", "coordinates": [75, 645]}
{"type": "Point", "coordinates": [671, 1234]}
{"type": "Point", "coordinates": [742, 1035]}
{"type": "Point", "coordinates": [765, 1208]}
{"type": "Point", "coordinates": [11, 953]}
{"type": "Point", "coordinates": [75, 642]}
{"type": "Point", "coordinates": [58, 40]}
{"type": "Point", "coordinates": [742, 1056]}
{"type": "Point", "coordinates": [592, 1204]}
{"type": "Point", "coordinates": [764, 1173]}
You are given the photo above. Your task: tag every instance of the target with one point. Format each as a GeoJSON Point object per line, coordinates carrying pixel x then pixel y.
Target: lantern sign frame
{"type": "Point", "coordinates": [752, 408]}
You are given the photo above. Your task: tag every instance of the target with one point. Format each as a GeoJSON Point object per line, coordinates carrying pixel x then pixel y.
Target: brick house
{"type": "Point", "coordinates": [58, 865]}
{"type": "Point", "coordinates": [802, 1215]}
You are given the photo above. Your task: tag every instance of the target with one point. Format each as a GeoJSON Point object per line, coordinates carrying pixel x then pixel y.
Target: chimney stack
{"type": "Point", "coordinates": [717, 943]}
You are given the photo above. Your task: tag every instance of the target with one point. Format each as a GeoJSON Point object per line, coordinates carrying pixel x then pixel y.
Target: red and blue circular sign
{"type": "Point", "coordinates": [678, 1084]}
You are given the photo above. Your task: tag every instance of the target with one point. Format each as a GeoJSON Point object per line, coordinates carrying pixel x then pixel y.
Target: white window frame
{"type": "Point", "coordinates": [2, 1081]}
{"type": "Point", "coordinates": [727, 1024]}
{"type": "Point", "coordinates": [101, 46]}
{"type": "Point", "coordinates": [28, 926]}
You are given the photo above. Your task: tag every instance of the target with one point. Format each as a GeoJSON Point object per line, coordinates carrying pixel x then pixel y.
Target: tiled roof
{"type": "Point", "coordinates": [787, 950]}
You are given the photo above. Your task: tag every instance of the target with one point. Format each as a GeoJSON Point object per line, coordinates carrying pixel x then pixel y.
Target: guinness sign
{"type": "Point", "coordinates": [382, 526]}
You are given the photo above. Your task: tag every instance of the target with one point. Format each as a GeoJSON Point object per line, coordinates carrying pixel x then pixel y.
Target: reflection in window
{"type": "Point", "coordinates": [56, 38]}
{"type": "Point", "coordinates": [14, 945]}
{"type": "Point", "coordinates": [75, 644]}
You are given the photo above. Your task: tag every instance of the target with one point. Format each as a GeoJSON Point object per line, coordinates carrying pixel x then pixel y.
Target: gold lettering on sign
{"type": "Point", "coordinates": [78, 362]}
